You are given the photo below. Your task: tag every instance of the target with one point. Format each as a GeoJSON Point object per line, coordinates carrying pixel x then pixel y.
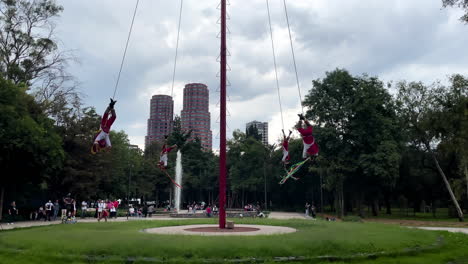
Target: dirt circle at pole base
{"type": "Point", "coordinates": [214, 230]}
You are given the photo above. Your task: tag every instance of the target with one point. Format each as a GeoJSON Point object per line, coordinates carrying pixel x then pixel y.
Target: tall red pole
{"type": "Point", "coordinates": [222, 136]}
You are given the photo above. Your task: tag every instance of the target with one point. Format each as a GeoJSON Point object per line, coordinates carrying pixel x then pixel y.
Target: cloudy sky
{"type": "Point", "coordinates": [396, 40]}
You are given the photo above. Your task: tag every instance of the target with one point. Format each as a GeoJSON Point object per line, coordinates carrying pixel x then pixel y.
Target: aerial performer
{"type": "Point", "coordinates": [162, 164]}
{"type": "Point", "coordinates": [164, 151]}
{"type": "Point", "coordinates": [311, 148]}
{"type": "Point", "coordinates": [285, 145]}
{"type": "Point", "coordinates": [102, 140]}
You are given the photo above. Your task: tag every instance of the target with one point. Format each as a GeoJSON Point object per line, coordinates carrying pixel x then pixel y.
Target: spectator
{"type": "Point", "coordinates": [215, 210]}
{"type": "Point", "coordinates": [208, 211]}
{"type": "Point", "coordinates": [145, 210]}
{"type": "Point", "coordinates": [84, 208]}
{"type": "Point", "coordinates": [100, 209]}
{"type": "Point", "coordinates": [48, 209]}
{"type": "Point", "coordinates": [41, 213]}
{"type": "Point", "coordinates": [12, 212]}
{"type": "Point", "coordinates": [131, 211]}
{"type": "Point", "coordinates": [307, 208]}
{"type": "Point", "coordinates": [73, 208]}
{"type": "Point", "coordinates": [312, 211]}
{"type": "Point", "coordinates": [112, 210]}
{"type": "Point", "coordinates": [104, 211]}
{"type": "Point", "coordinates": [68, 203]}
{"type": "Point", "coordinates": [150, 210]}
{"type": "Point", "coordinates": [56, 209]}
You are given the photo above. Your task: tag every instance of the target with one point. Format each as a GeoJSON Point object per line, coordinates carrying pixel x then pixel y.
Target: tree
{"type": "Point", "coordinates": [419, 107]}
{"type": "Point", "coordinates": [356, 128]}
{"type": "Point", "coordinates": [458, 3]}
{"type": "Point", "coordinates": [252, 131]}
{"type": "Point", "coordinates": [29, 52]}
{"type": "Point", "coordinates": [31, 148]}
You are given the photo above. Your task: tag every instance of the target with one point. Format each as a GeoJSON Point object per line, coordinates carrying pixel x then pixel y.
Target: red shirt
{"type": "Point", "coordinates": [107, 122]}
{"type": "Point", "coordinates": [285, 144]}
{"type": "Point", "coordinates": [307, 134]}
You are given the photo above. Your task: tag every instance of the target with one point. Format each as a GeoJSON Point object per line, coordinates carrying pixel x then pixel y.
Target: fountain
{"type": "Point", "coordinates": [178, 180]}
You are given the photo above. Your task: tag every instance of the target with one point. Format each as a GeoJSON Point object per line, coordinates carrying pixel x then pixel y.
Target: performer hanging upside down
{"type": "Point", "coordinates": [311, 148]}
{"type": "Point", "coordinates": [164, 151]}
{"type": "Point", "coordinates": [101, 140]}
{"type": "Point", "coordinates": [285, 145]}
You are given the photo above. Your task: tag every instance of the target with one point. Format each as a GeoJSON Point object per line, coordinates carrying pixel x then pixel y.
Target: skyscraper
{"type": "Point", "coordinates": [160, 122]}
{"type": "Point", "coordinates": [195, 114]}
{"type": "Point", "coordinates": [262, 128]}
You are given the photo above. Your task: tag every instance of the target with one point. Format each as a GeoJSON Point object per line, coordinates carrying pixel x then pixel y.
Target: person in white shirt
{"type": "Point", "coordinates": [101, 206]}
{"type": "Point", "coordinates": [48, 208]}
{"type": "Point", "coordinates": [84, 208]}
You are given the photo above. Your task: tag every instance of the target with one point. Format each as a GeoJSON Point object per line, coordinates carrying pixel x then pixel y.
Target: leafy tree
{"type": "Point", "coordinates": [458, 3]}
{"type": "Point", "coordinates": [419, 107]}
{"type": "Point", "coordinates": [29, 52]}
{"type": "Point", "coordinates": [252, 131]}
{"type": "Point", "coordinates": [31, 148]}
{"type": "Point", "coordinates": [357, 132]}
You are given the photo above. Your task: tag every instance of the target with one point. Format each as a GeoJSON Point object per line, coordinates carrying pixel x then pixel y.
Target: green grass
{"type": "Point", "coordinates": [122, 242]}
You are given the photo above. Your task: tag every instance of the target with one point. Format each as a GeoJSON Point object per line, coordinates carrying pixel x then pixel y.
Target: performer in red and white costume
{"type": "Point", "coordinates": [311, 148]}
{"type": "Point", "coordinates": [102, 139]}
{"type": "Point", "coordinates": [164, 151]}
{"type": "Point", "coordinates": [285, 145]}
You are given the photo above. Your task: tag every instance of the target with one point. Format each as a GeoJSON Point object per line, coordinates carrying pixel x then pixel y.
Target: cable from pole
{"type": "Point", "coordinates": [274, 62]}
{"type": "Point", "coordinates": [125, 51]}
{"type": "Point", "coordinates": [294, 57]}
{"type": "Point", "coordinates": [177, 48]}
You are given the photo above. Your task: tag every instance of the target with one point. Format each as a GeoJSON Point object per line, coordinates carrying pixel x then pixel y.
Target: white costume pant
{"type": "Point", "coordinates": [163, 159]}
{"type": "Point", "coordinates": [101, 136]}
{"type": "Point", "coordinates": [306, 148]}
{"type": "Point", "coordinates": [285, 155]}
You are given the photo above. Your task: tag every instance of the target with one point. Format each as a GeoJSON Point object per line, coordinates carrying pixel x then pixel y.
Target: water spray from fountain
{"type": "Point", "coordinates": [178, 180]}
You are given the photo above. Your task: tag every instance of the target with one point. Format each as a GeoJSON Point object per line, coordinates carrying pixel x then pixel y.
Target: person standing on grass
{"type": "Point", "coordinates": [312, 211]}
{"type": "Point", "coordinates": [100, 208]}
{"type": "Point", "coordinates": [84, 208]}
{"type": "Point", "coordinates": [112, 210]}
{"type": "Point", "coordinates": [56, 209]}
{"type": "Point", "coordinates": [307, 208]}
{"type": "Point", "coordinates": [12, 213]}
{"type": "Point", "coordinates": [48, 207]}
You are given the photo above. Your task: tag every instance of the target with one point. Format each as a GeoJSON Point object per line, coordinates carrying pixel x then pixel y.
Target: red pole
{"type": "Point", "coordinates": [222, 139]}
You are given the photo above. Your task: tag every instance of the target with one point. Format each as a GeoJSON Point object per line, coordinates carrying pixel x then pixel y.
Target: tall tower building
{"type": "Point", "coordinates": [195, 114]}
{"type": "Point", "coordinates": [262, 128]}
{"type": "Point", "coordinates": [160, 122]}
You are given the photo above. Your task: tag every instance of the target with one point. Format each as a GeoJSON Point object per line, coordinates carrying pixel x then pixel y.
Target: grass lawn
{"type": "Point", "coordinates": [315, 242]}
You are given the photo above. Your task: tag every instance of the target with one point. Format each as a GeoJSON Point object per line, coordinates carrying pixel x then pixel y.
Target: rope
{"type": "Point", "coordinates": [274, 61]}
{"type": "Point", "coordinates": [177, 48]}
{"type": "Point", "coordinates": [294, 58]}
{"type": "Point", "coordinates": [125, 51]}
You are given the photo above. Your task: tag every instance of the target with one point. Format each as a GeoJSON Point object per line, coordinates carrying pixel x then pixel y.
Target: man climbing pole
{"type": "Point", "coordinates": [102, 140]}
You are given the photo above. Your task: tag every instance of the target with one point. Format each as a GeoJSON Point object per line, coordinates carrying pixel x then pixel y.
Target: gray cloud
{"type": "Point", "coordinates": [414, 40]}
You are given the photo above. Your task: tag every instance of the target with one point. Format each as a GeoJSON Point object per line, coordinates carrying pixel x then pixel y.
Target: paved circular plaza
{"type": "Point", "coordinates": [214, 230]}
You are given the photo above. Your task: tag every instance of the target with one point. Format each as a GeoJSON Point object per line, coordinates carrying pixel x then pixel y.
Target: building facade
{"type": "Point", "coordinates": [195, 114]}
{"type": "Point", "coordinates": [262, 128]}
{"type": "Point", "coordinates": [160, 122]}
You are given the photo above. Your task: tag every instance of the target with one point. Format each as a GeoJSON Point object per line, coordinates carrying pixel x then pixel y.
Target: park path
{"type": "Point", "coordinates": [449, 229]}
